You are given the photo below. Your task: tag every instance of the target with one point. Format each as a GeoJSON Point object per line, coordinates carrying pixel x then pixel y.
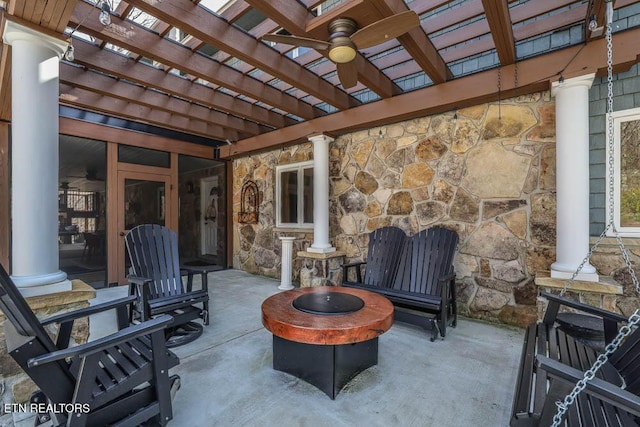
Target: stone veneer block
{"type": "Point", "coordinates": [605, 286]}
{"type": "Point", "coordinates": [318, 269]}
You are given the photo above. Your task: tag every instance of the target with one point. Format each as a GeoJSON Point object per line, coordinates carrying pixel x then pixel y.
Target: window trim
{"type": "Point", "coordinates": [618, 118]}
{"type": "Point", "coordinates": [299, 167]}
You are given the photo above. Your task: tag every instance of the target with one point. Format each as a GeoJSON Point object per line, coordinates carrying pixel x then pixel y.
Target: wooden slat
{"type": "Point", "coordinates": [216, 32]}
{"type": "Point", "coordinates": [111, 63]}
{"type": "Point", "coordinates": [417, 43]}
{"type": "Point", "coordinates": [150, 45]}
{"type": "Point", "coordinates": [118, 108]}
{"type": "Point", "coordinates": [104, 85]}
{"type": "Point", "coordinates": [497, 13]}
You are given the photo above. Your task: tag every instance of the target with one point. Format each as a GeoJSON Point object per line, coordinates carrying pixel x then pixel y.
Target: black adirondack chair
{"type": "Point", "coordinates": [386, 246]}
{"type": "Point", "coordinates": [156, 281]}
{"type": "Point", "coordinates": [426, 280]}
{"type": "Point", "coordinates": [121, 379]}
{"type": "Point", "coordinates": [552, 362]}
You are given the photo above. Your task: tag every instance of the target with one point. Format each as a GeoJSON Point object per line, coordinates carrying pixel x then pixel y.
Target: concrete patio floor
{"type": "Point", "coordinates": [227, 376]}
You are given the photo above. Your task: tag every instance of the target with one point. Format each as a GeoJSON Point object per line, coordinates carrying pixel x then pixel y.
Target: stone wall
{"type": "Point", "coordinates": [488, 172]}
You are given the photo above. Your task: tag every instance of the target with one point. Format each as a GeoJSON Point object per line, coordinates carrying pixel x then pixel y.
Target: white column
{"type": "Point", "coordinates": [287, 263]}
{"type": "Point", "coordinates": [572, 178]}
{"type": "Point", "coordinates": [320, 195]}
{"type": "Point", "coordinates": [34, 160]}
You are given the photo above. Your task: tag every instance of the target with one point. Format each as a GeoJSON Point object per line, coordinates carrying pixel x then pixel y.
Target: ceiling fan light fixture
{"type": "Point", "coordinates": [105, 14]}
{"type": "Point", "coordinates": [342, 54]}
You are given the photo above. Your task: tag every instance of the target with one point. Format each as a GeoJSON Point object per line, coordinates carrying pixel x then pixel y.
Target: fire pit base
{"type": "Point", "coordinates": [328, 367]}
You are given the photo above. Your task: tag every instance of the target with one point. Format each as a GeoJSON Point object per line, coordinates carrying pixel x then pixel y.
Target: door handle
{"type": "Point", "coordinates": [122, 233]}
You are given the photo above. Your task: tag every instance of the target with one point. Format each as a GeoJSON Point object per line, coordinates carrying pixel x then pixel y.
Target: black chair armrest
{"type": "Point", "coordinates": [124, 335]}
{"type": "Point", "coordinates": [83, 312]}
{"type": "Point", "coordinates": [138, 281]}
{"type": "Point", "coordinates": [597, 387]}
{"type": "Point", "coordinates": [203, 270]}
{"type": "Point", "coordinates": [356, 265]}
{"type": "Point", "coordinates": [608, 315]}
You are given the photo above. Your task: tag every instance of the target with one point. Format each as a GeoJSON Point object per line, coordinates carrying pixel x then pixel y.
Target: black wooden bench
{"type": "Point", "coordinates": [552, 362]}
{"type": "Point", "coordinates": [415, 273]}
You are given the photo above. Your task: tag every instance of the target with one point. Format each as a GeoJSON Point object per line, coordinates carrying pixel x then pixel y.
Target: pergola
{"type": "Point", "coordinates": [181, 66]}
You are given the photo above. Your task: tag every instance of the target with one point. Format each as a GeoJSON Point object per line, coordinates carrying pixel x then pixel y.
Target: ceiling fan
{"type": "Point", "coordinates": [345, 38]}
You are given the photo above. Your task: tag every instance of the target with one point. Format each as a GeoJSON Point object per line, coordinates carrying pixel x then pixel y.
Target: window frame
{"type": "Point", "coordinates": [300, 167]}
{"type": "Point", "coordinates": [619, 117]}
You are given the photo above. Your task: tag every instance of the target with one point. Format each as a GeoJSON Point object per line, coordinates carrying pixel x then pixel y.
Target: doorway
{"type": "Point", "coordinates": [143, 198]}
{"type": "Point", "coordinates": [209, 192]}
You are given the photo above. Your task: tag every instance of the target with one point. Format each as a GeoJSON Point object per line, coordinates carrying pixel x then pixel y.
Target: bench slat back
{"type": "Point", "coordinates": [432, 251]}
{"type": "Point", "coordinates": [386, 246]}
{"type": "Point", "coordinates": [153, 251]}
{"type": "Point", "coordinates": [627, 360]}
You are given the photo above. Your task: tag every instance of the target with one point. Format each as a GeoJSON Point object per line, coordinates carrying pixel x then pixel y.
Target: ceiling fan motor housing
{"type": "Point", "coordinates": [342, 50]}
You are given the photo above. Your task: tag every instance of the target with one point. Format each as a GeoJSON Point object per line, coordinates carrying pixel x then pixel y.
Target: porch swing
{"type": "Point", "coordinates": [562, 380]}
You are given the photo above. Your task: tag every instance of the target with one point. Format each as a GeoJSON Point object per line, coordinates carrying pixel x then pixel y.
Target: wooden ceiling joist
{"type": "Point", "coordinates": [108, 86]}
{"type": "Point", "coordinates": [417, 43]}
{"type": "Point", "coordinates": [143, 42]}
{"type": "Point", "coordinates": [215, 31]}
{"type": "Point", "coordinates": [111, 63]}
{"type": "Point", "coordinates": [93, 101]}
{"type": "Point", "coordinates": [497, 13]}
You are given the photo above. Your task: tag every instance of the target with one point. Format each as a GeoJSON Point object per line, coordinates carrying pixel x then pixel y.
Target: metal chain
{"type": "Point", "coordinates": [515, 76]}
{"type": "Point", "coordinates": [634, 320]}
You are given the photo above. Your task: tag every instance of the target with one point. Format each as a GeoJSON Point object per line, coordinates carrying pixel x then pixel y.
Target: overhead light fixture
{"type": "Point", "coordinates": [342, 51]}
{"type": "Point", "coordinates": [105, 14]}
{"type": "Point", "coordinates": [593, 23]}
{"type": "Point", "coordinates": [69, 54]}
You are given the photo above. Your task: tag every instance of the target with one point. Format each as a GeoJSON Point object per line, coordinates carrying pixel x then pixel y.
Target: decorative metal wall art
{"type": "Point", "coordinates": [249, 203]}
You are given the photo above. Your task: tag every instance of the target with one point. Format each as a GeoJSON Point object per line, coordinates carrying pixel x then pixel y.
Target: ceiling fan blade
{"type": "Point", "coordinates": [385, 29]}
{"type": "Point", "coordinates": [296, 41]}
{"type": "Point", "coordinates": [348, 74]}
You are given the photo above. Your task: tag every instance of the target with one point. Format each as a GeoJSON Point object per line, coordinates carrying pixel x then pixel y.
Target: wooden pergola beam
{"type": "Point", "coordinates": [497, 13]}
{"type": "Point", "coordinates": [111, 63]}
{"type": "Point", "coordinates": [136, 39]}
{"type": "Point", "coordinates": [292, 16]}
{"type": "Point", "coordinates": [417, 43]}
{"type": "Point", "coordinates": [534, 75]}
{"type": "Point", "coordinates": [104, 85]}
{"type": "Point", "coordinates": [93, 101]}
{"type": "Point", "coordinates": [213, 30]}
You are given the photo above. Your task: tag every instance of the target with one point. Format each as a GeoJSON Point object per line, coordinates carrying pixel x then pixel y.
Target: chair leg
{"type": "Point", "coordinates": [205, 306]}
{"type": "Point", "coordinates": [161, 377]}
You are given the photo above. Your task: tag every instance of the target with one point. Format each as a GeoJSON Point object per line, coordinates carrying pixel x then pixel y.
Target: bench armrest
{"type": "Point", "coordinates": [596, 387]}
{"type": "Point", "coordinates": [124, 335]}
{"type": "Point", "coordinates": [356, 265]}
{"type": "Point", "coordinates": [83, 312]}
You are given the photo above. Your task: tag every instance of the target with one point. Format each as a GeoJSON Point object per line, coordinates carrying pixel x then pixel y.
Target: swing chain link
{"type": "Point", "coordinates": [634, 319]}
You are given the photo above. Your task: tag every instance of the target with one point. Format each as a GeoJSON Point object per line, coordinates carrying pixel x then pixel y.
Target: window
{"type": "Point", "coordinates": [626, 186]}
{"type": "Point", "coordinates": [294, 195]}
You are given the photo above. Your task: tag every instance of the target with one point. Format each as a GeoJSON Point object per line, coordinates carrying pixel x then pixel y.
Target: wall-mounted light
{"type": "Point", "coordinates": [105, 14]}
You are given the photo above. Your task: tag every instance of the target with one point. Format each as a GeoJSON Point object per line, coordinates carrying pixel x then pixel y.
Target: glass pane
{"type": "Point", "coordinates": [143, 156]}
{"type": "Point", "coordinates": [82, 209]}
{"type": "Point", "coordinates": [307, 191]}
{"type": "Point", "coordinates": [630, 173]}
{"type": "Point", "coordinates": [144, 202]}
{"type": "Point", "coordinates": [289, 197]}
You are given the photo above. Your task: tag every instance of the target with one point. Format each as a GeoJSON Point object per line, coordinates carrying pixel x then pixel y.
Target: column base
{"type": "Point", "coordinates": [286, 287]}
{"type": "Point", "coordinates": [31, 286]}
{"type": "Point", "coordinates": [587, 274]}
{"type": "Point", "coordinates": [326, 250]}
